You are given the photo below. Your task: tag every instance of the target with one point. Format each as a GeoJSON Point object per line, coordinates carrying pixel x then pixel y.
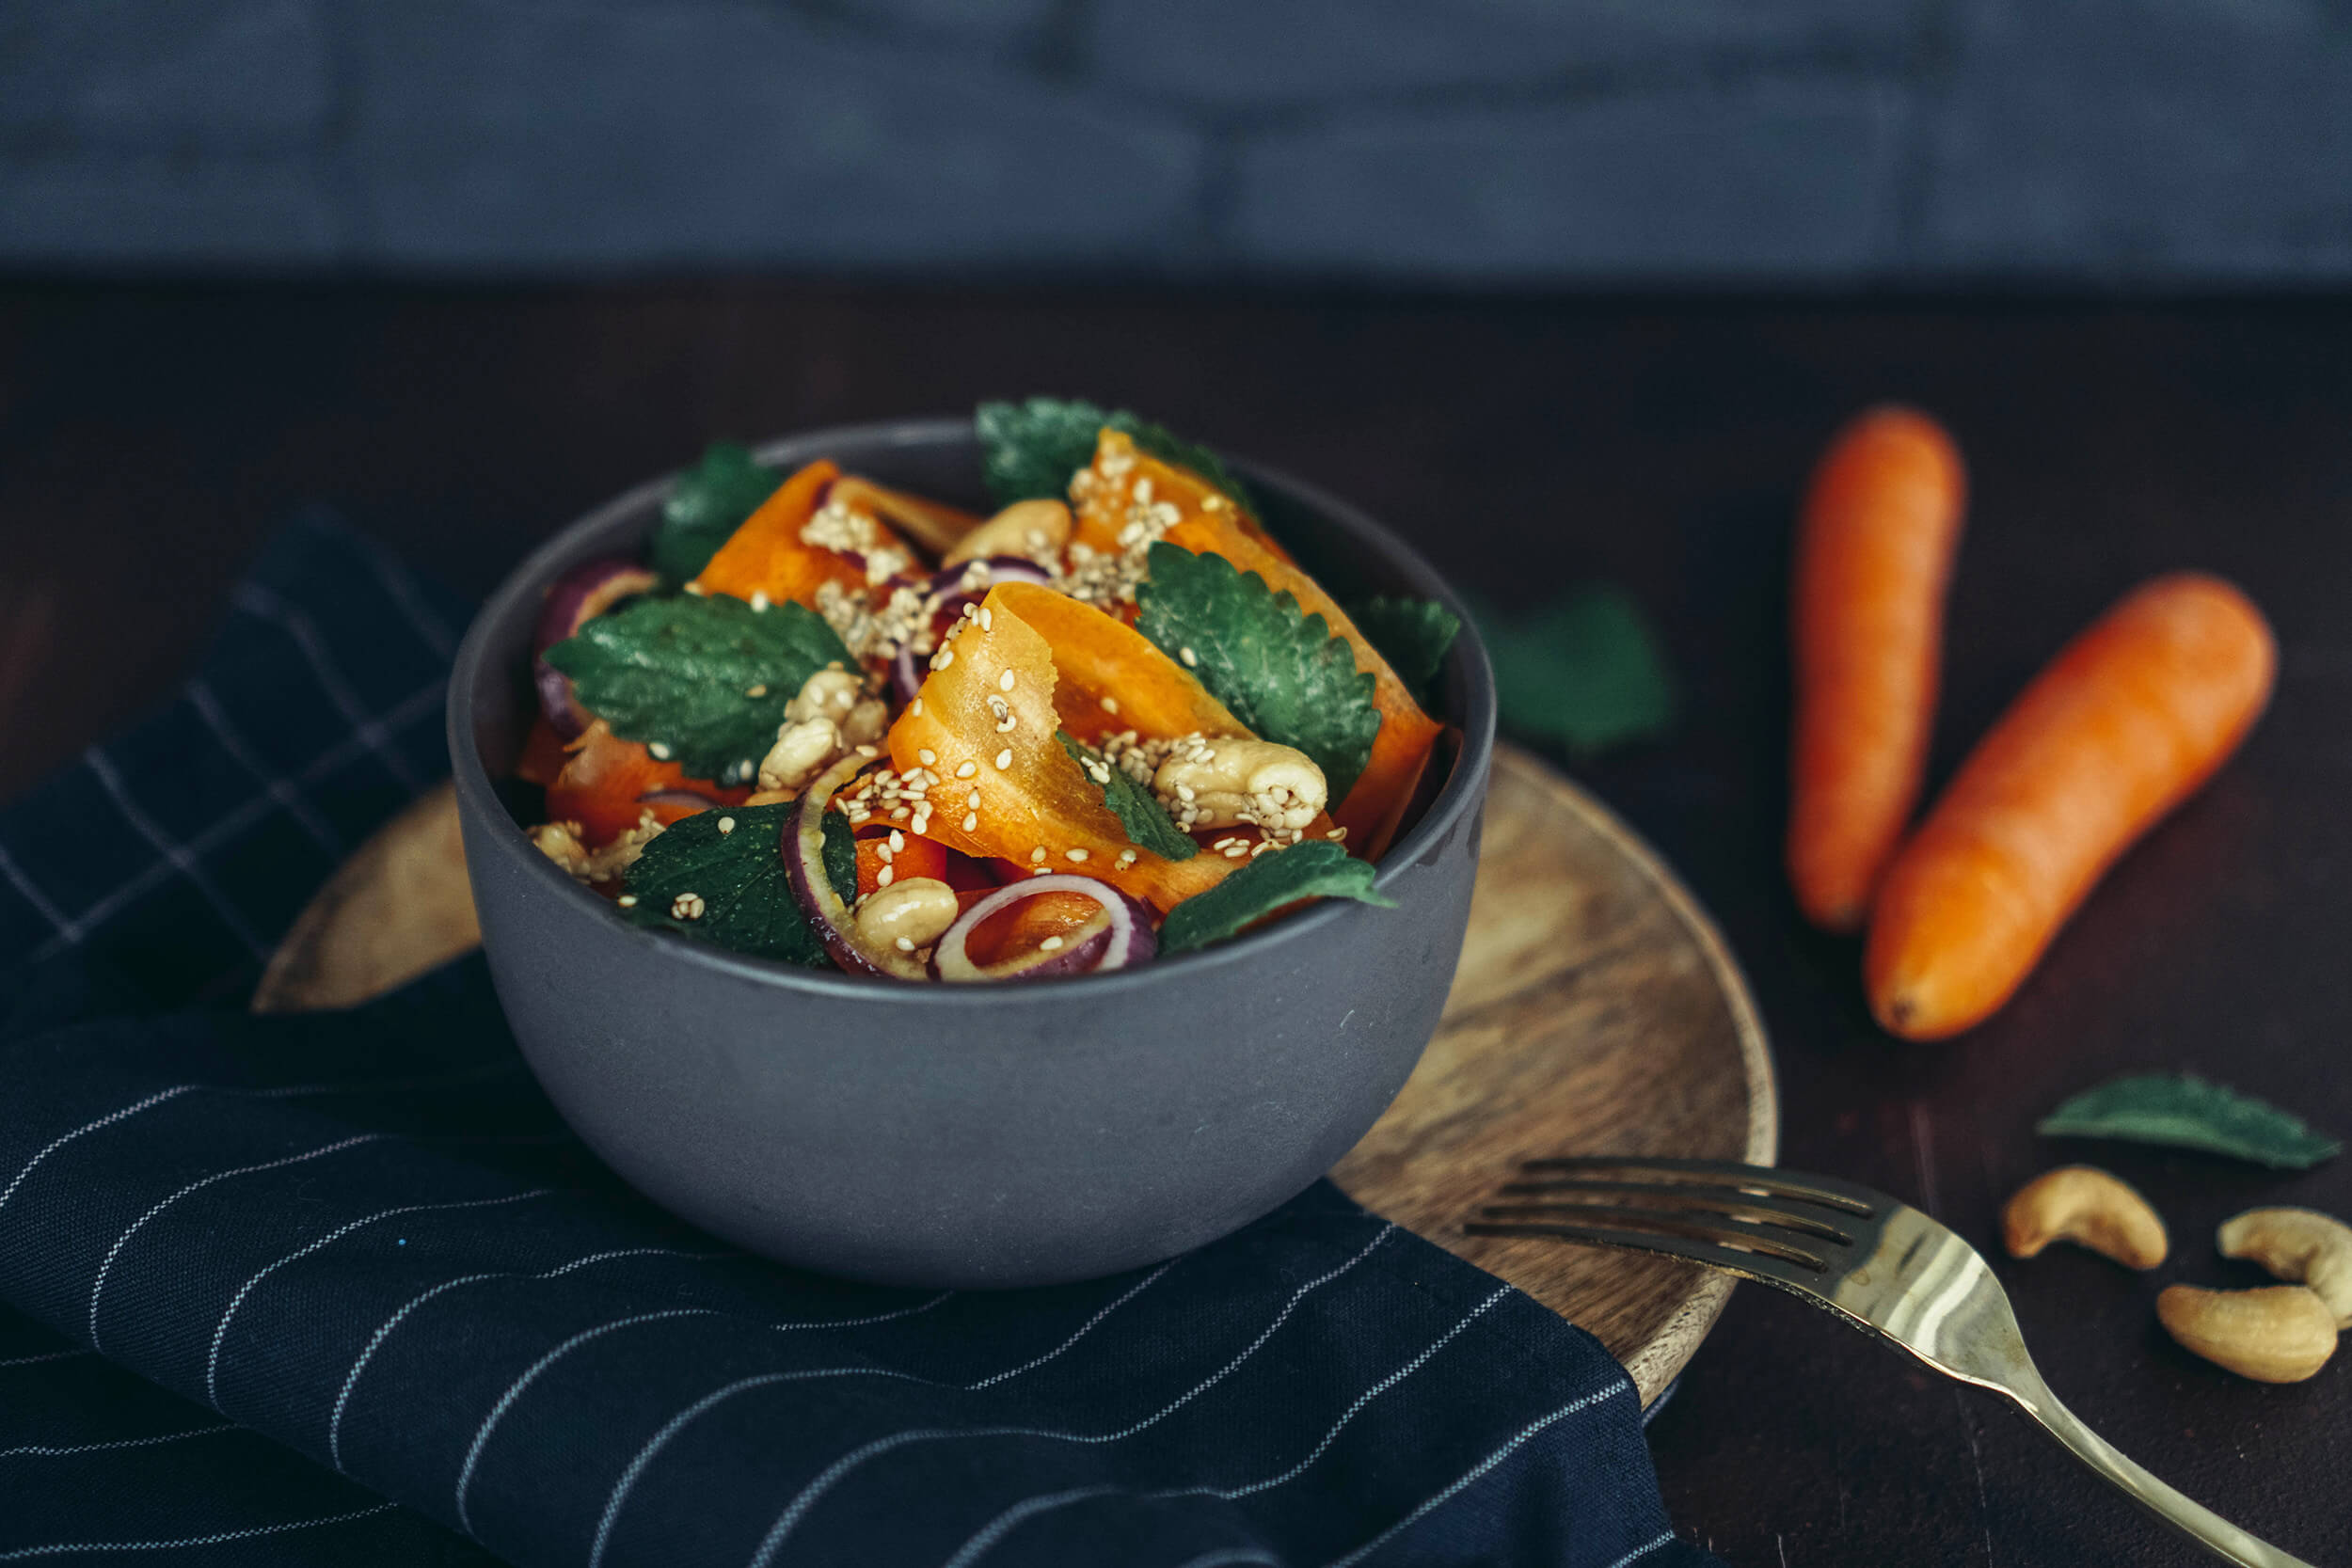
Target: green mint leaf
{"type": "Point", "coordinates": [1315, 869]}
{"type": "Point", "coordinates": [679, 674]}
{"type": "Point", "coordinates": [2183, 1111]}
{"type": "Point", "coordinates": [1030, 449]}
{"type": "Point", "coordinates": [710, 503]}
{"type": "Point", "coordinates": [1282, 672]}
{"type": "Point", "coordinates": [1413, 635]}
{"type": "Point", "coordinates": [1147, 824]}
{"type": "Point", "coordinates": [738, 875]}
{"type": "Point", "coordinates": [840, 856]}
{"type": "Point", "coordinates": [1586, 673]}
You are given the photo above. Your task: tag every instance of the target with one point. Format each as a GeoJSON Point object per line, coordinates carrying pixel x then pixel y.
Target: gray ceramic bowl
{"type": "Point", "coordinates": [958, 1135]}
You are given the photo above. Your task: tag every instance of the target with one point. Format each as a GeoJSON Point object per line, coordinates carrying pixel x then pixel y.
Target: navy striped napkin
{"type": "Point", "coordinates": [341, 1289]}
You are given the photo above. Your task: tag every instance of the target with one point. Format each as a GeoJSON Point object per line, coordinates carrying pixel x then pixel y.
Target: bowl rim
{"type": "Point", "coordinates": [521, 587]}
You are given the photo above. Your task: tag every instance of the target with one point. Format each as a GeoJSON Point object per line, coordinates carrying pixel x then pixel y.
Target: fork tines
{"type": "Point", "coordinates": [1731, 1216]}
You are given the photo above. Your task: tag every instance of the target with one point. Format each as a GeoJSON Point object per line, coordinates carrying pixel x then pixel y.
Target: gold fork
{"type": "Point", "coordinates": [1877, 1263]}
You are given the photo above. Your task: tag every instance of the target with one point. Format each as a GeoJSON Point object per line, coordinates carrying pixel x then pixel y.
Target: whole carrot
{"type": "Point", "coordinates": [2129, 719]}
{"type": "Point", "coordinates": [1874, 550]}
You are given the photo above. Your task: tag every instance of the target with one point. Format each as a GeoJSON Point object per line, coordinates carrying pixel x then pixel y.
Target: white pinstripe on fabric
{"type": "Point", "coordinates": [255, 599]}
{"type": "Point", "coordinates": [399, 584]}
{"type": "Point", "coordinates": [221, 1331]}
{"type": "Point", "coordinates": [99, 1285]}
{"type": "Point", "coordinates": [806, 1499]}
{"type": "Point", "coordinates": [33, 895]}
{"type": "Point", "coordinates": [646, 1455]}
{"type": "Point", "coordinates": [46, 1355]}
{"type": "Point", "coordinates": [222, 1538]}
{"type": "Point", "coordinates": [351, 1379]}
{"type": "Point", "coordinates": [515, 1390]}
{"type": "Point", "coordinates": [188, 864]}
{"type": "Point", "coordinates": [107, 1120]}
{"type": "Point", "coordinates": [1224, 1555]}
{"type": "Point", "coordinates": [1621, 1387]}
{"type": "Point", "coordinates": [281, 790]}
{"type": "Point", "coordinates": [997, 1528]}
{"type": "Point", "coordinates": [45, 1451]}
{"type": "Point", "coordinates": [74, 930]}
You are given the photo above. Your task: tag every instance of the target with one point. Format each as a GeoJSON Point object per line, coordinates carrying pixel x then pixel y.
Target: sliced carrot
{"type": "Point", "coordinates": [2129, 719]}
{"type": "Point", "coordinates": [767, 555]}
{"type": "Point", "coordinates": [608, 784]}
{"type": "Point", "coordinates": [1003, 788]}
{"type": "Point", "coordinates": [1018, 931]}
{"type": "Point", "coordinates": [544, 754]}
{"type": "Point", "coordinates": [1110, 677]}
{"type": "Point", "coordinates": [1401, 749]}
{"type": "Point", "coordinates": [1875, 542]}
{"type": "Point", "coordinates": [1123, 477]}
{"type": "Point", "coordinates": [916, 857]}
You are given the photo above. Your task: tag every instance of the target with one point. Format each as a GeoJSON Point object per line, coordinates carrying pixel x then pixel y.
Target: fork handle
{"type": "Point", "coordinates": [2194, 1520]}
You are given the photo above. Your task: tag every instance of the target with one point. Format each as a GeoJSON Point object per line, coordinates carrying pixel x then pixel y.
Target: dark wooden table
{"type": "Point", "coordinates": [148, 437]}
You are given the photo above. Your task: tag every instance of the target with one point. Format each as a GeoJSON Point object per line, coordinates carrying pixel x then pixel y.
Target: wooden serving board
{"type": "Point", "coordinates": [1596, 1011]}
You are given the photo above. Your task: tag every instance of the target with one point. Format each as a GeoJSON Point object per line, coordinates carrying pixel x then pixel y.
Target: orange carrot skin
{"type": "Point", "coordinates": [2127, 722]}
{"type": "Point", "coordinates": [1874, 550]}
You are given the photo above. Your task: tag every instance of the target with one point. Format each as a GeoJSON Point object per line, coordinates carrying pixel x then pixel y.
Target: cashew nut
{"type": "Point", "coordinates": [1224, 780]}
{"type": "Point", "coordinates": [1035, 530]}
{"type": "Point", "coordinates": [2278, 1334]}
{"type": "Point", "coordinates": [2299, 1244]}
{"type": "Point", "coordinates": [907, 916]}
{"type": "Point", "coordinates": [799, 750]}
{"type": "Point", "coordinates": [2086, 1206]}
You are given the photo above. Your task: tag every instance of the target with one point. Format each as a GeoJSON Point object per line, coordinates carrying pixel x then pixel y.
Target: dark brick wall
{"type": "Point", "coordinates": [2167, 142]}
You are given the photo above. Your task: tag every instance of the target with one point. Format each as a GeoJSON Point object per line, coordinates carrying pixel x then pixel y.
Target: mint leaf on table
{"type": "Point", "coordinates": [708, 504]}
{"type": "Point", "coordinates": [1030, 449]}
{"type": "Point", "coordinates": [2184, 1111]}
{"type": "Point", "coordinates": [1264, 883]}
{"type": "Point", "coordinates": [1586, 673]}
{"type": "Point", "coordinates": [747, 903]}
{"type": "Point", "coordinates": [1147, 824]}
{"type": "Point", "coordinates": [701, 680]}
{"type": "Point", "coordinates": [1282, 672]}
{"type": "Point", "coordinates": [1413, 635]}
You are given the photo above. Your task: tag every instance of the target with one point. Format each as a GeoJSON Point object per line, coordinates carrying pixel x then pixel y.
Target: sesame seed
{"type": "Point", "coordinates": [971, 820]}
{"type": "Point", "coordinates": [1192, 660]}
{"type": "Point", "coordinates": [626, 901]}
{"type": "Point", "coordinates": [985, 618]}
{"type": "Point", "coordinates": [1004, 682]}
{"type": "Point", "coordinates": [965, 770]}
{"type": "Point", "coordinates": [882, 878]}
{"type": "Point", "coordinates": [1041, 871]}
{"type": "Point", "coordinates": [1004, 759]}
{"type": "Point", "coordinates": [898, 840]}
{"type": "Point", "coordinates": [1074, 854]}
{"type": "Point", "coordinates": [886, 852]}
{"type": "Point", "coordinates": [726, 824]}
{"type": "Point", "coordinates": [697, 590]}
{"type": "Point", "coordinates": [759, 599]}
{"type": "Point", "coordinates": [905, 944]}
{"type": "Point", "coordinates": [1126, 857]}
{"type": "Point", "coordinates": [943, 658]}
{"type": "Point", "coordinates": [1235, 853]}
{"type": "Point", "coordinates": [1037, 854]}
{"type": "Point", "coordinates": [915, 707]}
{"type": "Point", "coordinates": [1110, 704]}
{"type": "Point", "coordinates": [1336, 834]}
{"type": "Point", "coordinates": [660, 751]}
{"type": "Point", "coordinates": [686, 906]}
{"type": "Point", "coordinates": [1051, 944]}
{"type": "Point", "coordinates": [759, 691]}
{"type": "Point", "coordinates": [867, 751]}
{"type": "Point", "coordinates": [973, 799]}
{"type": "Point", "coordinates": [926, 757]}
{"type": "Point", "coordinates": [897, 814]}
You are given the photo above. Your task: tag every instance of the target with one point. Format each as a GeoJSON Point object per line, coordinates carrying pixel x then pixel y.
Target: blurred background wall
{"type": "Point", "coordinates": [1749, 142]}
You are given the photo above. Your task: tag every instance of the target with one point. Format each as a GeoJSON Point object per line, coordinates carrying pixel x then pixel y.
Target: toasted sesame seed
{"type": "Point", "coordinates": [697, 590]}
{"type": "Point", "coordinates": [1004, 682]}
{"type": "Point", "coordinates": [898, 840]}
{"type": "Point", "coordinates": [1192, 660]}
{"type": "Point", "coordinates": [759, 599]}
{"type": "Point", "coordinates": [726, 824]}
{"type": "Point", "coordinates": [660, 751]}
{"type": "Point", "coordinates": [1235, 853]}
{"type": "Point", "coordinates": [1004, 759]}
{"type": "Point", "coordinates": [686, 906]}
{"type": "Point", "coordinates": [906, 945]}
{"type": "Point", "coordinates": [1004, 725]}
{"type": "Point", "coordinates": [915, 707]}
{"type": "Point", "coordinates": [971, 820]}
{"type": "Point", "coordinates": [897, 814]}
{"type": "Point", "coordinates": [985, 618]}
{"type": "Point", "coordinates": [1040, 871]}
{"type": "Point", "coordinates": [1074, 854]}
{"type": "Point", "coordinates": [1110, 704]}
{"type": "Point", "coordinates": [1126, 857]}
{"type": "Point", "coordinates": [973, 799]}
{"type": "Point", "coordinates": [626, 901]}
{"type": "Point", "coordinates": [1051, 944]}
{"type": "Point", "coordinates": [759, 691]}
{"type": "Point", "coordinates": [882, 878]}
{"type": "Point", "coordinates": [1336, 834]}
{"type": "Point", "coordinates": [867, 751]}
{"type": "Point", "coordinates": [965, 770]}
{"type": "Point", "coordinates": [926, 757]}
{"type": "Point", "coordinates": [943, 658]}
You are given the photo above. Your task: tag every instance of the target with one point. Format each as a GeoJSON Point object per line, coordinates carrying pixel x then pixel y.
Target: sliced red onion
{"type": "Point", "coordinates": [577, 597]}
{"type": "Point", "coordinates": [690, 799]}
{"type": "Point", "coordinates": [1118, 938]}
{"type": "Point", "coordinates": [803, 847]}
{"type": "Point", "coordinates": [904, 675]}
{"type": "Point", "coordinates": [944, 596]}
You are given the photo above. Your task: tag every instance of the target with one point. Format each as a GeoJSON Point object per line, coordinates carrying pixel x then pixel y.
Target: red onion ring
{"type": "Point", "coordinates": [1118, 938]}
{"type": "Point", "coordinates": [577, 597]}
{"type": "Point", "coordinates": [691, 798]}
{"type": "Point", "coordinates": [944, 598]}
{"type": "Point", "coordinates": [803, 847]}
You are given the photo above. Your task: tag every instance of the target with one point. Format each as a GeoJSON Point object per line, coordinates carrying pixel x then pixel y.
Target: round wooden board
{"type": "Point", "coordinates": [1596, 1011]}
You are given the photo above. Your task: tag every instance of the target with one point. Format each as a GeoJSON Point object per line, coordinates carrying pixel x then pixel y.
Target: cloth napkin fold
{"type": "Point", "coordinates": [375, 1293]}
